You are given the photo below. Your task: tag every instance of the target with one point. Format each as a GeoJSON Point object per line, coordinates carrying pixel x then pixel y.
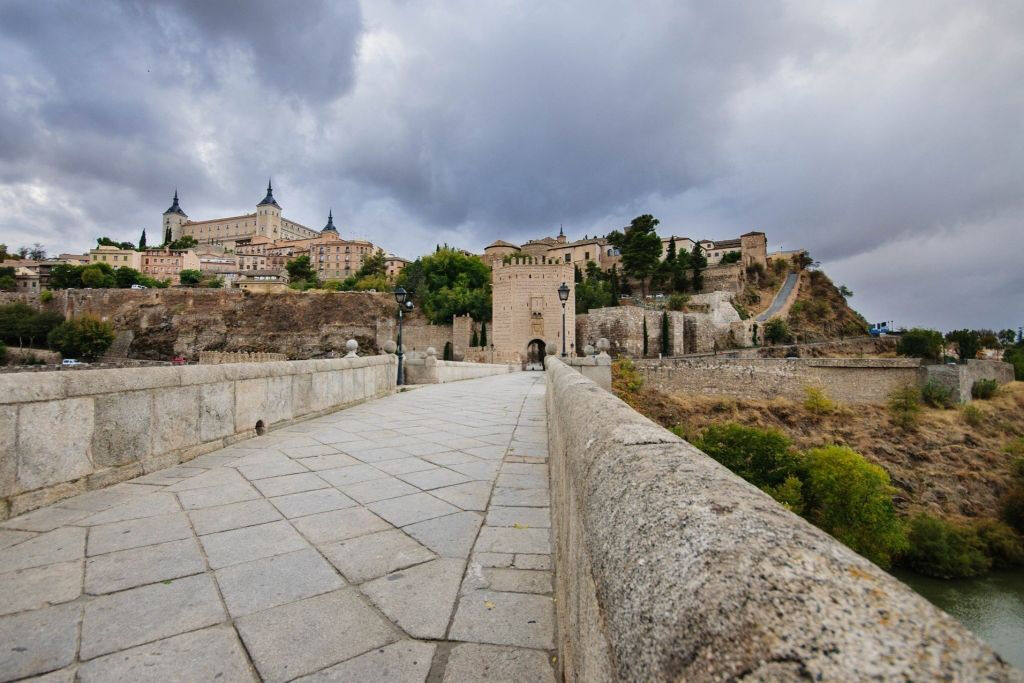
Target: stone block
{"type": "Point", "coordinates": [367, 557]}
{"type": "Point", "coordinates": [448, 536]}
{"type": "Point", "coordinates": [122, 432]}
{"type": "Point", "coordinates": [122, 620]}
{"type": "Point", "coordinates": [23, 387]}
{"type": "Point", "coordinates": [135, 533]}
{"type": "Point", "coordinates": [407, 661]}
{"type": "Point", "coordinates": [473, 663]}
{"type": "Point", "coordinates": [420, 599]}
{"type": "Point", "coordinates": [512, 540]}
{"type": "Point", "coordinates": [331, 628]}
{"type": "Point", "coordinates": [140, 566]}
{"type": "Point", "coordinates": [40, 587]}
{"type": "Point", "coordinates": [250, 404]}
{"type": "Point", "coordinates": [505, 619]}
{"type": "Point", "coordinates": [8, 451]}
{"type": "Point", "coordinates": [109, 476]}
{"type": "Point", "coordinates": [233, 516]}
{"type": "Point", "coordinates": [303, 397]}
{"type": "Point", "coordinates": [339, 525]}
{"type": "Point", "coordinates": [410, 509]}
{"type": "Point", "coordinates": [175, 419]}
{"type": "Point", "coordinates": [312, 502]}
{"type": "Point", "coordinates": [35, 499]}
{"type": "Point", "coordinates": [251, 543]}
{"type": "Point", "coordinates": [39, 641]}
{"type": "Point", "coordinates": [279, 399]}
{"type": "Point", "coordinates": [277, 580]}
{"type": "Point", "coordinates": [216, 411]}
{"type": "Point", "coordinates": [113, 381]}
{"type": "Point", "coordinates": [54, 442]}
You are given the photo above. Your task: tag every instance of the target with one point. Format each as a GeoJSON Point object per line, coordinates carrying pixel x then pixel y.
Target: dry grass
{"type": "Point", "coordinates": [944, 465]}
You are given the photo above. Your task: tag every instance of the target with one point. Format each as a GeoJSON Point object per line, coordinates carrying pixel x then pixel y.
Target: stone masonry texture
{"type": "Point", "coordinates": [672, 568]}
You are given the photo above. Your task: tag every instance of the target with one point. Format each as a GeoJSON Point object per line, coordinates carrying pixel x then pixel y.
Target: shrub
{"type": "Point", "coordinates": [972, 415]}
{"type": "Point", "coordinates": [920, 343]}
{"type": "Point", "coordinates": [777, 331]}
{"type": "Point", "coordinates": [86, 337]}
{"type": "Point", "coordinates": [627, 378]}
{"type": "Point", "coordinates": [678, 301]}
{"type": "Point", "coordinates": [46, 296]}
{"type": "Point", "coordinates": [1001, 544]}
{"type": "Point", "coordinates": [984, 388]}
{"type": "Point", "coordinates": [190, 276]}
{"type": "Point", "coordinates": [937, 396]}
{"type": "Point", "coordinates": [1012, 508]}
{"type": "Point", "coordinates": [764, 457]}
{"type": "Point", "coordinates": [851, 499]}
{"type": "Point", "coordinates": [3, 353]}
{"type": "Point", "coordinates": [1016, 447]}
{"type": "Point", "coordinates": [1015, 357]}
{"type": "Point", "coordinates": [789, 493]}
{"type": "Point", "coordinates": [944, 550]}
{"type": "Point", "coordinates": [817, 403]}
{"type": "Point", "coordinates": [905, 406]}
{"type": "Point", "coordinates": [968, 343]}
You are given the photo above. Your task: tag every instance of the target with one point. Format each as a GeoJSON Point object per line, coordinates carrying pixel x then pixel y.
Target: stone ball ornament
{"type": "Point", "coordinates": [390, 346]}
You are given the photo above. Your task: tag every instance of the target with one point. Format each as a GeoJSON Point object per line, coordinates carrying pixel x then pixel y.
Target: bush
{"type": "Point", "coordinates": [944, 550]}
{"type": "Point", "coordinates": [1000, 543]}
{"type": "Point", "coordinates": [968, 343]}
{"type": "Point", "coordinates": [1012, 508]}
{"type": "Point", "coordinates": [1016, 447]}
{"type": "Point", "coordinates": [972, 415]}
{"type": "Point", "coordinates": [777, 331]}
{"type": "Point", "coordinates": [764, 457]}
{"type": "Point", "coordinates": [1015, 357]}
{"type": "Point", "coordinates": [46, 296]}
{"type": "Point", "coordinates": [905, 406]}
{"type": "Point", "coordinates": [851, 499]}
{"type": "Point", "coordinates": [937, 396]}
{"type": "Point", "coordinates": [678, 301]}
{"type": "Point", "coordinates": [190, 276]}
{"type": "Point", "coordinates": [627, 379]}
{"type": "Point", "coordinates": [920, 343]}
{"type": "Point", "coordinates": [984, 388]}
{"type": "Point", "coordinates": [817, 403]}
{"type": "Point", "coordinates": [86, 337]}
{"type": "Point", "coordinates": [789, 493]}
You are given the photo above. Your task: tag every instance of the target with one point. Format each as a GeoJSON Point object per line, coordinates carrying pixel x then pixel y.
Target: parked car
{"type": "Point", "coordinates": [139, 287]}
{"type": "Point", "coordinates": [71, 361]}
{"type": "Point", "coordinates": [178, 360]}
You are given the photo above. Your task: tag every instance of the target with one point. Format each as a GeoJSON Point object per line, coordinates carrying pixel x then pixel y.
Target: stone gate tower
{"type": "Point", "coordinates": [526, 311]}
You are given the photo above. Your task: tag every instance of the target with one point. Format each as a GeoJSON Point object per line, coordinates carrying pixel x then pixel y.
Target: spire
{"type": "Point", "coordinates": [269, 199]}
{"type": "Point", "coordinates": [560, 233]}
{"type": "Point", "coordinates": [174, 206]}
{"type": "Point", "coordinates": [330, 224]}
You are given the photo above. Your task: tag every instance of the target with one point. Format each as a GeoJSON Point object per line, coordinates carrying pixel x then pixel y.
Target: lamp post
{"type": "Point", "coordinates": [563, 295]}
{"type": "Point", "coordinates": [401, 297]}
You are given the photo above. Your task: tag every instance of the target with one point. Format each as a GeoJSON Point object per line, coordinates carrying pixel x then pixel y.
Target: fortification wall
{"type": "Point", "coordinates": [622, 326]}
{"type": "Point", "coordinates": [727, 278]}
{"type": "Point", "coordinates": [960, 378]}
{"type": "Point", "coordinates": [62, 433]}
{"type": "Point", "coordinates": [849, 380]}
{"type": "Point", "coordinates": [669, 567]}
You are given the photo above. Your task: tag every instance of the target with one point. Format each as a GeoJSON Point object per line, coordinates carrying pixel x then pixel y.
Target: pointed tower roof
{"type": "Point", "coordinates": [330, 224]}
{"type": "Point", "coordinates": [269, 199]}
{"type": "Point", "coordinates": [174, 207]}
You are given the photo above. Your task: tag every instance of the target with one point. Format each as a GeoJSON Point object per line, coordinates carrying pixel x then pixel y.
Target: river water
{"type": "Point", "coordinates": [992, 607]}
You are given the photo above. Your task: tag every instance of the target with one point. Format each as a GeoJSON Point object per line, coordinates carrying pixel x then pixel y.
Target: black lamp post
{"type": "Point", "coordinates": [401, 296]}
{"type": "Point", "coordinates": [563, 295]}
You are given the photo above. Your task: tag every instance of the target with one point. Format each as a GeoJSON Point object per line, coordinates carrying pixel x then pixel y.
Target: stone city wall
{"type": "Point", "coordinates": [848, 380]}
{"type": "Point", "coordinates": [62, 433]}
{"type": "Point", "coordinates": [960, 378]}
{"type": "Point", "coordinates": [688, 332]}
{"type": "Point", "coordinates": [727, 278]}
{"type": "Point", "coordinates": [671, 568]}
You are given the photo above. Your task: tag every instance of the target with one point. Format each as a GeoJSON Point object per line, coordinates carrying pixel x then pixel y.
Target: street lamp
{"type": "Point", "coordinates": [563, 295]}
{"type": "Point", "coordinates": [401, 296]}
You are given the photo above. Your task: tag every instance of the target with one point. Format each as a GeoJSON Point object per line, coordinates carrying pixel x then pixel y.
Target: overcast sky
{"type": "Point", "coordinates": [885, 137]}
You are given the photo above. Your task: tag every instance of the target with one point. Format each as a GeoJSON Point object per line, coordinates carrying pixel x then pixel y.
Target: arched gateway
{"type": "Point", "coordinates": [535, 354]}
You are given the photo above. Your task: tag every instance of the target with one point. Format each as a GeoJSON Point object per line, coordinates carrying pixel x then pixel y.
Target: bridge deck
{"type": "Point", "coordinates": [401, 539]}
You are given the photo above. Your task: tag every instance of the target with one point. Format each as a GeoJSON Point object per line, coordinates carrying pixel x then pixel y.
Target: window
{"type": "Point", "coordinates": [568, 258]}
{"type": "Point", "coordinates": [586, 256]}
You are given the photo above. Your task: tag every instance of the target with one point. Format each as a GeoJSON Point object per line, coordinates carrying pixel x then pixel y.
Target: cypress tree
{"type": "Point", "coordinates": [142, 240]}
{"type": "Point", "coordinates": [577, 276]}
{"type": "Point", "coordinates": [613, 284]}
{"type": "Point", "coordinates": [474, 340]}
{"type": "Point", "coordinates": [167, 236]}
{"type": "Point", "coordinates": [483, 333]}
{"type": "Point", "coordinates": [664, 333]}
{"type": "Point", "coordinates": [645, 335]}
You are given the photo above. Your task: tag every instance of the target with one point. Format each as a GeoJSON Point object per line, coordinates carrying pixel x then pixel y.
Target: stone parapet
{"type": "Point", "coordinates": [426, 369]}
{"type": "Point", "coordinates": [597, 369]}
{"type": "Point", "coordinates": [217, 357]}
{"type": "Point", "coordinates": [62, 433]}
{"type": "Point", "coordinates": [669, 567]}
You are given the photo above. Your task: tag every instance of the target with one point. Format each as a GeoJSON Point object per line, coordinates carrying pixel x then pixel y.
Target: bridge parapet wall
{"type": "Point", "coordinates": [669, 567]}
{"type": "Point", "coordinates": [426, 369]}
{"type": "Point", "coordinates": [62, 433]}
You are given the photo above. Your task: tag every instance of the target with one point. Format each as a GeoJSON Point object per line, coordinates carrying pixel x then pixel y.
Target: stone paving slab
{"type": "Point", "coordinates": [359, 545]}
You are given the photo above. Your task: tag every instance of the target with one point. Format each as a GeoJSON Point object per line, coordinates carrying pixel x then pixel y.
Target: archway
{"type": "Point", "coordinates": [535, 354]}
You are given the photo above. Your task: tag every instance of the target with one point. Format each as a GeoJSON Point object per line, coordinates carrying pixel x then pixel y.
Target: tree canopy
{"type": "Point", "coordinates": [640, 247]}
{"type": "Point", "coordinates": [448, 283]}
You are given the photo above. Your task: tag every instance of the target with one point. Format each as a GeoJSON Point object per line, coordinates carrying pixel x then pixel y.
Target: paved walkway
{"type": "Point", "coordinates": [405, 539]}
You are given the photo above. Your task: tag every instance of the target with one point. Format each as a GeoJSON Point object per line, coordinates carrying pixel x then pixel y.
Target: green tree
{"type": "Point", "coordinates": [851, 499]}
{"type": "Point", "coordinates": [764, 457]}
{"type": "Point", "coordinates": [373, 266]}
{"type": "Point", "coordinates": [448, 283]}
{"type": "Point", "coordinates": [7, 281]}
{"type": "Point", "coordinates": [664, 333]}
{"type": "Point", "coordinates": [1015, 357]}
{"type": "Point", "coordinates": [640, 247]}
{"type": "Point", "coordinates": [66, 276]}
{"type": "Point", "coordinates": [98, 276]}
{"type": "Point", "coordinates": [968, 343]}
{"type": "Point", "coordinates": [845, 291]}
{"type": "Point", "coordinates": [698, 262]}
{"type": "Point", "coordinates": [483, 333]}
{"type": "Point", "coordinates": [921, 343]}
{"type": "Point", "coordinates": [615, 291]}
{"type": "Point", "coordinates": [941, 549]}
{"type": "Point", "coordinates": [167, 236]}
{"type": "Point", "coordinates": [777, 331]}
{"type": "Point", "coordinates": [107, 242]}
{"type": "Point", "coordinates": [126, 277]}
{"type": "Point", "coordinates": [1006, 337]}
{"type": "Point", "coordinates": [85, 337]}
{"type": "Point", "coordinates": [3, 353]}
{"type": "Point", "coordinates": [299, 268]}
{"type": "Point", "coordinates": [191, 277]}
{"type": "Point", "coordinates": [577, 274]}
{"type": "Point", "coordinates": [184, 242]}
{"type": "Point", "coordinates": [730, 257]}
{"type": "Point", "coordinates": [474, 339]}
{"type": "Point", "coordinates": [142, 240]}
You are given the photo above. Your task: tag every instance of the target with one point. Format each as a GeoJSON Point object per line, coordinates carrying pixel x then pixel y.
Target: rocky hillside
{"type": "Point", "coordinates": [159, 324]}
{"type": "Point", "coordinates": [947, 465]}
{"type": "Point", "coordinates": [820, 312]}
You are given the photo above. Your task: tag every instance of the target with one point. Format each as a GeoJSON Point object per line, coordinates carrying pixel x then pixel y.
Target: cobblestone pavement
{"type": "Point", "coordinates": [404, 539]}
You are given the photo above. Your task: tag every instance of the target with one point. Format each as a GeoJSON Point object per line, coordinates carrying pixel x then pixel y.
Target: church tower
{"type": "Point", "coordinates": [268, 216]}
{"type": "Point", "coordinates": [174, 218]}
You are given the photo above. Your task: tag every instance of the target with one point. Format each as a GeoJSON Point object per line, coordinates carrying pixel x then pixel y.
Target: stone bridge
{"type": "Point", "coordinates": [411, 538]}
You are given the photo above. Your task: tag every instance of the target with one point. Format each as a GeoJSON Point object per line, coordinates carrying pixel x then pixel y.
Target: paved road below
{"type": "Point", "coordinates": [780, 298]}
{"type": "Point", "coordinates": [405, 538]}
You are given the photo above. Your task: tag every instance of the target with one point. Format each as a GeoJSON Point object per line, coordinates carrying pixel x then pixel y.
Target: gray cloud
{"type": "Point", "coordinates": [887, 139]}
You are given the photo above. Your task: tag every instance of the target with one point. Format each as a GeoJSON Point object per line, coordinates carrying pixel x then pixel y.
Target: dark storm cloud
{"type": "Point", "coordinates": [886, 138]}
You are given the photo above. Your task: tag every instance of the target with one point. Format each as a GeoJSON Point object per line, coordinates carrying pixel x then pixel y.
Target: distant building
{"type": "Point", "coordinates": [116, 257]}
{"type": "Point", "coordinates": [393, 265]}
{"type": "Point", "coordinates": [526, 311]}
{"type": "Point", "coordinates": [263, 281]}
{"type": "Point", "coordinates": [167, 264]}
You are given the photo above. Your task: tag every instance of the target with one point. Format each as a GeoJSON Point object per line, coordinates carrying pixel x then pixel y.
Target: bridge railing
{"type": "Point", "coordinates": [669, 567]}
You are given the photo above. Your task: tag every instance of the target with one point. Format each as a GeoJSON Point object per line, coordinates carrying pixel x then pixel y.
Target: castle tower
{"type": "Point", "coordinates": [329, 229]}
{"type": "Point", "coordinates": [561, 239]}
{"type": "Point", "coordinates": [173, 219]}
{"type": "Point", "coordinates": [268, 216]}
{"type": "Point", "coordinates": [526, 311]}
